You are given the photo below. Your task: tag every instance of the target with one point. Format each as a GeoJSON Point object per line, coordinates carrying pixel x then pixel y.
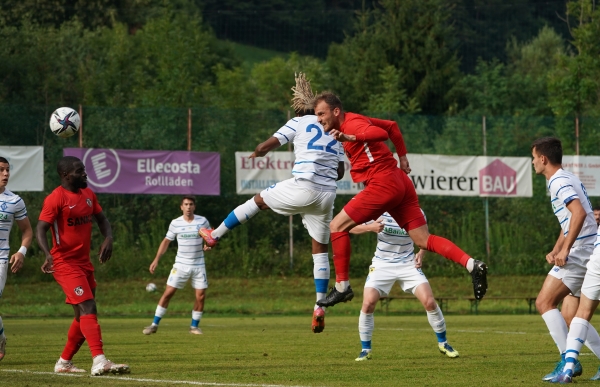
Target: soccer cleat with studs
{"type": "Point", "coordinates": [67, 367]}
{"type": "Point", "coordinates": [205, 233]}
{"type": "Point", "coordinates": [563, 377]}
{"type": "Point", "coordinates": [479, 279]}
{"type": "Point", "coordinates": [195, 331]}
{"type": "Point", "coordinates": [318, 320]}
{"type": "Point", "coordinates": [335, 297]}
{"type": "Point", "coordinates": [150, 329]}
{"type": "Point", "coordinates": [108, 367]}
{"type": "Point", "coordinates": [446, 349]}
{"type": "Point", "coordinates": [364, 356]}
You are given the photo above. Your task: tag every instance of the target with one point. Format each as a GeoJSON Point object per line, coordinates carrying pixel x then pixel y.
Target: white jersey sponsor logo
{"type": "Point", "coordinates": [317, 154]}
{"type": "Point", "coordinates": [12, 208]}
{"type": "Point", "coordinates": [190, 244]}
{"type": "Point", "coordinates": [565, 187]}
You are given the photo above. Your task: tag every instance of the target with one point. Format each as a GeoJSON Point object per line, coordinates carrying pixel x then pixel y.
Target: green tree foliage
{"type": "Point", "coordinates": [414, 37]}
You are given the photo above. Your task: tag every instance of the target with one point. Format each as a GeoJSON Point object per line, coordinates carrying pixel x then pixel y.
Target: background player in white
{"type": "Point", "coordinates": [395, 260]}
{"type": "Point", "coordinates": [12, 208]}
{"type": "Point", "coordinates": [310, 193]}
{"type": "Point", "coordinates": [571, 251]}
{"type": "Point", "coordinates": [189, 263]}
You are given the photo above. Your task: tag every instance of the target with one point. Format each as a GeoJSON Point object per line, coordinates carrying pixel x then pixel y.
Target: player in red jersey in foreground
{"type": "Point", "coordinates": [70, 211]}
{"type": "Point", "coordinates": [387, 188]}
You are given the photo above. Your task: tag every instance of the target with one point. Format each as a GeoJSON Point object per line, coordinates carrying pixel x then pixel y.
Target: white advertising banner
{"type": "Point", "coordinates": [26, 167]}
{"type": "Point", "coordinates": [431, 174]}
{"type": "Point", "coordinates": [257, 174]}
{"type": "Point", "coordinates": [471, 175]}
{"type": "Point", "coordinates": [587, 168]}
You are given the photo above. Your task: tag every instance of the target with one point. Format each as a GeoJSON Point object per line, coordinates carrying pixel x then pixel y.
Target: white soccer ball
{"type": "Point", "coordinates": [151, 287]}
{"type": "Point", "coordinates": [64, 122]}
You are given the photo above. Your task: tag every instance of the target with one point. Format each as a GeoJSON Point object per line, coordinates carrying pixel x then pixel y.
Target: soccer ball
{"type": "Point", "coordinates": [64, 122]}
{"type": "Point", "coordinates": [151, 287]}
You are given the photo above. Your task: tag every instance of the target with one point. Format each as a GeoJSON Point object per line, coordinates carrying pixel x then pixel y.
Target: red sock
{"type": "Point", "coordinates": [340, 244]}
{"type": "Point", "coordinates": [91, 330]}
{"type": "Point", "coordinates": [447, 249]}
{"type": "Point", "coordinates": [74, 340]}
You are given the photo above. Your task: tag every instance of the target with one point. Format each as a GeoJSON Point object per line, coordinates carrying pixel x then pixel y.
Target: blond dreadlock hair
{"type": "Point", "coordinates": [303, 99]}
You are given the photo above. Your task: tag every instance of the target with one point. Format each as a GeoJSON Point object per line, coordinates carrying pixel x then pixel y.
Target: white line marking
{"type": "Point", "coordinates": [152, 380]}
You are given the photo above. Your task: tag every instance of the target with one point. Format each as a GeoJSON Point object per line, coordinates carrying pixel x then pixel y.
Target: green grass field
{"type": "Point", "coordinates": [257, 333]}
{"type": "Point", "coordinates": [282, 351]}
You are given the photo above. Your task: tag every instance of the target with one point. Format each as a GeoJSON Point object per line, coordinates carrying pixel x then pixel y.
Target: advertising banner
{"type": "Point", "coordinates": [149, 171]}
{"type": "Point", "coordinates": [587, 168]}
{"type": "Point", "coordinates": [257, 174]}
{"type": "Point", "coordinates": [26, 167]}
{"type": "Point", "coordinates": [431, 174]}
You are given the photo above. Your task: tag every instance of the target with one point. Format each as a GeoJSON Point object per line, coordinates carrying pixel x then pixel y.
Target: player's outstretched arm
{"type": "Point", "coordinates": [374, 226]}
{"type": "Point", "coordinates": [106, 248]}
{"type": "Point", "coordinates": [265, 147]}
{"type": "Point", "coordinates": [40, 234]}
{"type": "Point", "coordinates": [396, 136]}
{"type": "Point", "coordinates": [162, 249]}
{"type": "Point", "coordinates": [18, 258]}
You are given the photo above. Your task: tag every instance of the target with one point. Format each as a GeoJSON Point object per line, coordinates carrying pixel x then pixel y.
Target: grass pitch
{"type": "Point", "coordinates": [282, 351]}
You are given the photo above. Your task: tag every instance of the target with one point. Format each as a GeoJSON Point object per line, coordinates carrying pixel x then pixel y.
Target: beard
{"type": "Point", "coordinates": [81, 184]}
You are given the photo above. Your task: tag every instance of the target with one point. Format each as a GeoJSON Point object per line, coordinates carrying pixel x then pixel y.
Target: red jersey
{"type": "Point", "coordinates": [369, 153]}
{"type": "Point", "coordinates": [71, 216]}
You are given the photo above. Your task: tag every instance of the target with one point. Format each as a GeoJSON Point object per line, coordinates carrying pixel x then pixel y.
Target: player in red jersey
{"type": "Point", "coordinates": [387, 188]}
{"type": "Point", "coordinates": [70, 211]}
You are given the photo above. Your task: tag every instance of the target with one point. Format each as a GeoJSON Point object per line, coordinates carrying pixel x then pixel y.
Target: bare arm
{"type": "Point", "coordinates": [40, 235]}
{"type": "Point", "coordinates": [376, 227]}
{"type": "Point", "coordinates": [575, 224]}
{"type": "Point", "coordinates": [17, 259]}
{"type": "Point", "coordinates": [162, 249]}
{"type": "Point", "coordinates": [105, 251]}
{"type": "Point", "coordinates": [265, 147]}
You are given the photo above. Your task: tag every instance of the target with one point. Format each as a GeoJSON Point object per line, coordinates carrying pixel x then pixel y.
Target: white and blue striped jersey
{"type": "Point", "coordinates": [317, 154]}
{"type": "Point", "coordinates": [565, 187]}
{"type": "Point", "coordinates": [393, 243]}
{"type": "Point", "coordinates": [190, 244]}
{"type": "Point", "coordinates": [12, 208]}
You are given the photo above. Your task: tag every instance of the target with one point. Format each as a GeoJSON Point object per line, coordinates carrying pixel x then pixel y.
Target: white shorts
{"type": "Point", "coordinates": [591, 282]}
{"type": "Point", "coordinates": [313, 202]}
{"type": "Point", "coordinates": [3, 274]}
{"type": "Point", "coordinates": [180, 274]}
{"type": "Point", "coordinates": [573, 272]}
{"type": "Point", "coordinates": [383, 276]}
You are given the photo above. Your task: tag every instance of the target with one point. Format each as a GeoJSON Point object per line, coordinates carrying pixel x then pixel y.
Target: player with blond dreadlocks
{"type": "Point", "coordinates": [310, 192]}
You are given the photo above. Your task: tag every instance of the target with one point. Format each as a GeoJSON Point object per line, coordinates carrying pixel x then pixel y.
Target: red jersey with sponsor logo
{"type": "Point", "coordinates": [369, 153]}
{"type": "Point", "coordinates": [71, 216]}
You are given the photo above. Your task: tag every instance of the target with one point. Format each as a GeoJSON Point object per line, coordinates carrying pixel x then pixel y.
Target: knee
{"type": "Point", "coordinates": [543, 305]}
{"type": "Point", "coordinates": [430, 304]}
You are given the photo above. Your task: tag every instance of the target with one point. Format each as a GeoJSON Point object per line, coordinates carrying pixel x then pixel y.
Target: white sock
{"type": "Point", "coordinates": [592, 340]}
{"type": "Point", "coordinates": [321, 273]}
{"type": "Point", "coordinates": [558, 328]}
{"type": "Point", "coordinates": [98, 359]}
{"type": "Point", "coordinates": [342, 286]}
{"type": "Point", "coordinates": [366, 324]}
{"type": "Point", "coordinates": [436, 320]}
{"type": "Point", "coordinates": [160, 311]}
{"type": "Point", "coordinates": [240, 215]}
{"type": "Point", "coordinates": [470, 265]}
{"type": "Point", "coordinates": [577, 335]}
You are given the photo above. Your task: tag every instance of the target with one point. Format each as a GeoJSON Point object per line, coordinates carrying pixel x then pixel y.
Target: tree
{"type": "Point", "coordinates": [414, 37]}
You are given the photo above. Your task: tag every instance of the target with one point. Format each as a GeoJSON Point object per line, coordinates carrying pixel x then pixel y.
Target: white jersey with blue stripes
{"type": "Point", "coordinates": [317, 154]}
{"type": "Point", "coordinates": [565, 187]}
{"type": "Point", "coordinates": [393, 243]}
{"type": "Point", "coordinates": [12, 208]}
{"type": "Point", "coordinates": [190, 244]}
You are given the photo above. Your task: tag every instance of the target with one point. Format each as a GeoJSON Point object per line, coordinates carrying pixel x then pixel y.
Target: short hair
{"type": "Point", "coordinates": [330, 99]}
{"type": "Point", "coordinates": [188, 197]}
{"type": "Point", "coordinates": [551, 147]}
{"type": "Point", "coordinates": [596, 208]}
{"type": "Point", "coordinates": [3, 160]}
{"type": "Point", "coordinates": [66, 164]}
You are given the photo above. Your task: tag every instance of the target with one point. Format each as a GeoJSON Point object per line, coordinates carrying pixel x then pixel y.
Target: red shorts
{"type": "Point", "coordinates": [77, 282]}
{"type": "Point", "coordinates": [393, 192]}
